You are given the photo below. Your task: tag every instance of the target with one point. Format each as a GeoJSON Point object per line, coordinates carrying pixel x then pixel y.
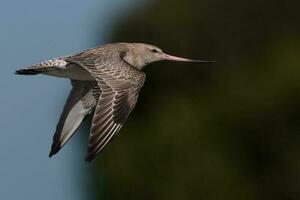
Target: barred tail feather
{"type": "Point", "coordinates": [49, 65]}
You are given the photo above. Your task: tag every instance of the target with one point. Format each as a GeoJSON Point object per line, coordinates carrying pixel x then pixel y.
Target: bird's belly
{"type": "Point", "coordinates": [74, 72]}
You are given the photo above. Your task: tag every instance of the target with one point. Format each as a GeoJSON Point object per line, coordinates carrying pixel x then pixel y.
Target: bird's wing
{"type": "Point", "coordinates": [80, 103]}
{"type": "Point", "coordinates": [120, 84]}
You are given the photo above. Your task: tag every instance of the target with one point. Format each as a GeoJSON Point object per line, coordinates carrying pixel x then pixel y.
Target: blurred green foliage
{"type": "Point", "coordinates": [229, 130]}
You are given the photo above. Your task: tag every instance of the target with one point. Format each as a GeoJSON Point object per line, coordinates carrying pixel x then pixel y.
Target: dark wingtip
{"type": "Point", "coordinates": [52, 153]}
{"type": "Point", "coordinates": [54, 149]}
{"type": "Point", "coordinates": [89, 157]}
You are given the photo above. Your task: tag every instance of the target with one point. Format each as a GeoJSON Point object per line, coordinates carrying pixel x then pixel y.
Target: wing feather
{"type": "Point", "coordinates": [120, 84]}
{"type": "Point", "coordinates": [79, 103]}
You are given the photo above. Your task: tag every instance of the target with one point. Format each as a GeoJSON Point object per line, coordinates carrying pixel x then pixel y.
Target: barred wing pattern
{"type": "Point", "coordinates": [120, 85]}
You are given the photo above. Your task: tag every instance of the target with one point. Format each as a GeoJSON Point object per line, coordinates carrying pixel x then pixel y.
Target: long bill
{"type": "Point", "coordinates": [179, 59]}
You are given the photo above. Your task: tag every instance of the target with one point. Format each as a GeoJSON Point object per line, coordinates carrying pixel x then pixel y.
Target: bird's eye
{"type": "Point", "coordinates": [154, 50]}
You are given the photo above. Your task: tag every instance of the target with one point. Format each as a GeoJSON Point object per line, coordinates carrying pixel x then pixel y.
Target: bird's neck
{"type": "Point", "coordinates": [134, 61]}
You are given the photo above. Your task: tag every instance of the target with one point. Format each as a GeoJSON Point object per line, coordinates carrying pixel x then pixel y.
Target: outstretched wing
{"type": "Point", "coordinates": [120, 84]}
{"type": "Point", "coordinates": [80, 102]}
{"type": "Point", "coordinates": [115, 104]}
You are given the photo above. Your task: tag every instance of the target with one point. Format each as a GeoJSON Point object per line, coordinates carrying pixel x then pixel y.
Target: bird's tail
{"type": "Point", "coordinates": [29, 71]}
{"type": "Point", "coordinates": [43, 67]}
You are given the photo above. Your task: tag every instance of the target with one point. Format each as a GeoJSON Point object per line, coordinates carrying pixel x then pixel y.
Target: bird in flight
{"type": "Point", "coordinates": [107, 80]}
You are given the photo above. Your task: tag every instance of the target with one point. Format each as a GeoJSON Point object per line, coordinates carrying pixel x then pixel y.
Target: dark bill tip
{"type": "Point", "coordinates": [179, 59]}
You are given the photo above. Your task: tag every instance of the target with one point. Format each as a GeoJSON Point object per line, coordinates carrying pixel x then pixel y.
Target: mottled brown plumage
{"type": "Point", "coordinates": [108, 79]}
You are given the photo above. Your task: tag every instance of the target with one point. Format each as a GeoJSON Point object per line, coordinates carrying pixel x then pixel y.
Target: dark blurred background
{"type": "Point", "coordinates": [229, 130]}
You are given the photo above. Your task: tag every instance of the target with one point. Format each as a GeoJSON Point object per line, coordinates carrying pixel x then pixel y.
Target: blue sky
{"type": "Point", "coordinates": [32, 31]}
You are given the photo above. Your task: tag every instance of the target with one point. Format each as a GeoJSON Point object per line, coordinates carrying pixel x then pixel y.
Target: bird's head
{"type": "Point", "coordinates": [139, 55]}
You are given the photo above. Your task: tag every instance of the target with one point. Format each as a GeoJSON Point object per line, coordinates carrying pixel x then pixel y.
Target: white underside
{"type": "Point", "coordinates": [74, 72]}
{"type": "Point", "coordinates": [72, 122]}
